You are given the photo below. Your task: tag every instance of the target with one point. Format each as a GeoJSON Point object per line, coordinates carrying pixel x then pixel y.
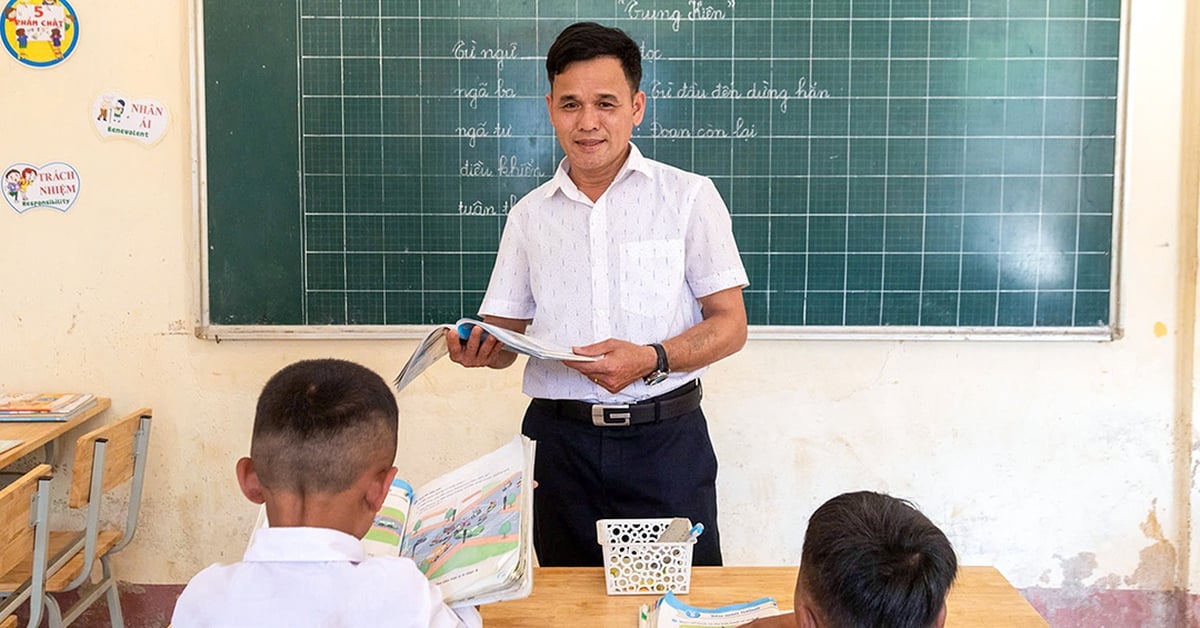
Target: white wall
{"type": "Point", "coordinates": [1051, 460]}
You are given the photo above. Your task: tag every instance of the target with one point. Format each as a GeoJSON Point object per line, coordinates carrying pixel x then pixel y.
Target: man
{"type": "Point", "coordinates": [631, 261]}
{"type": "Point", "coordinates": [870, 560]}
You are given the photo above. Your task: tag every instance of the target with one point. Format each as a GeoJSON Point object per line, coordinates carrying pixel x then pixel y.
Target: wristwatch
{"type": "Point", "coordinates": [661, 369]}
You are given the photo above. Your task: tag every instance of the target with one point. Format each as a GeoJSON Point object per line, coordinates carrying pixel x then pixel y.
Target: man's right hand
{"type": "Point", "coordinates": [478, 349]}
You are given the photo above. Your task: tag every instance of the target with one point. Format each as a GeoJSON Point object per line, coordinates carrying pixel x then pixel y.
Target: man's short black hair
{"type": "Point", "coordinates": [583, 41]}
{"type": "Point", "coordinates": [871, 559]}
{"type": "Point", "coordinates": [320, 424]}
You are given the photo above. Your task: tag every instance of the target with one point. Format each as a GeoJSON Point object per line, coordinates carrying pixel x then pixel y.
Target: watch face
{"type": "Point", "coordinates": [657, 377]}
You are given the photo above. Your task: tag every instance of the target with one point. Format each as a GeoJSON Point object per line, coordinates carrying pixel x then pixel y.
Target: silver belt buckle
{"type": "Point", "coordinates": [610, 415]}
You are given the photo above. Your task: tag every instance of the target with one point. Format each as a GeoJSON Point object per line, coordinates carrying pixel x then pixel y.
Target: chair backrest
{"type": "Point", "coordinates": [125, 447]}
{"type": "Point", "coordinates": [24, 534]}
{"type": "Point", "coordinates": [105, 458]}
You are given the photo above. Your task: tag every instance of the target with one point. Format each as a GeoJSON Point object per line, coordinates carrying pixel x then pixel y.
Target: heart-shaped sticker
{"type": "Point", "coordinates": [141, 119]}
{"type": "Point", "coordinates": [53, 186]}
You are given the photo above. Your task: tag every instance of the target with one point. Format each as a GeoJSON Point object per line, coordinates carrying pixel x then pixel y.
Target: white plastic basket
{"type": "Point", "coordinates": [636, 564]}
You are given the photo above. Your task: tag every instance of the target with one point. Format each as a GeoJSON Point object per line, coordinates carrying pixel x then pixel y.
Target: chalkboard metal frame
{"type": "Point", "coordinates": [207, 329]}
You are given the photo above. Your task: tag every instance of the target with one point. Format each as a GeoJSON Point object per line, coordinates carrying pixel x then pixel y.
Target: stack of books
{"type": "Point", "coordinates": [43, 406]}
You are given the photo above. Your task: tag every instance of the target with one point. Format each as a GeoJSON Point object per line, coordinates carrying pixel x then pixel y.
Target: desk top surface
{"type": "Point", "coordinates": [981, 598]}
{"type": "Point", "coordinates": [34, 434]}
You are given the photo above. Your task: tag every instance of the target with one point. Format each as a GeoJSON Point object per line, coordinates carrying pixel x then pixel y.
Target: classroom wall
{"type": "Point", "coordinates": [1065, 464]}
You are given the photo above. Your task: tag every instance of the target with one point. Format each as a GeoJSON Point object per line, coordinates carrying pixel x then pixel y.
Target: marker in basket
{"type": "Point", "coordinates": [695, 532]}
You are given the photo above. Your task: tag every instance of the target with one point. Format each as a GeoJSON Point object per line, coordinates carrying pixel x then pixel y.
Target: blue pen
{"type": "Point", "coordinates": [695, 532]}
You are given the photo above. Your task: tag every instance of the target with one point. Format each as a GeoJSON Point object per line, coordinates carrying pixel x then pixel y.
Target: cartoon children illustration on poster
{"type": "Point", "coordinates": [39, 33]}
{"type": "Point", "coordinates": [12, 183]}
{"type": "Point", "coordinates": [51, 186]}
{"type": "Point", "coordinates": [27, 177]}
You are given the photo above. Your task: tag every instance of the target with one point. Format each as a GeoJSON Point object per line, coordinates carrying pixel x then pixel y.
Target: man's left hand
{"type": "Point", "coordinates": [622, 363]}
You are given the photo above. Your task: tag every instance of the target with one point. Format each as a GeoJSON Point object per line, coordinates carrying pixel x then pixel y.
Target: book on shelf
{"type": "Point", "coordinates": [669, 611]}
{"type": "Point", "coordinates": [469, 531]}
{"type": "Point", "coordinates": [43, 406]}
{"type": "Point", "coordinates": [433, 346]}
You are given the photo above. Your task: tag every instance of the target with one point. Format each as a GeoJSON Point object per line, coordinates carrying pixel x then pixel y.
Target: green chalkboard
{"type": "Point", "coordinates": [933, 164]}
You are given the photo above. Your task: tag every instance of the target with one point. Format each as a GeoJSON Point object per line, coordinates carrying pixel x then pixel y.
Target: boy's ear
{"type": "Point", "coordinates": [941, 618]}
{"type": "Point", "coordinates": [377, 489]}
{"type": "Point", "coordinates": [803, 615]}
{"type": "Point", "coordinates": [248, 480]}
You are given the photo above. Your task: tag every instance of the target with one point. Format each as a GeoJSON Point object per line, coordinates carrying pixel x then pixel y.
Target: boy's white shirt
{"type": "Point", "coordinates": [315, 577]}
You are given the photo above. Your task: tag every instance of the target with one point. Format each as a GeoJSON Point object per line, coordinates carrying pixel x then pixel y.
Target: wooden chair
{"type": "Point", "coordinates": [24, 517]}
{"type": "Point", "coordinates": [105, 458]}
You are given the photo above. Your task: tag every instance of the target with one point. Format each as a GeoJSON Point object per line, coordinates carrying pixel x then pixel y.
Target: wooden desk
{"type": "Point", "coordinates": [34, 434]}
{"type": "Point", "coordinates": [575, 596]}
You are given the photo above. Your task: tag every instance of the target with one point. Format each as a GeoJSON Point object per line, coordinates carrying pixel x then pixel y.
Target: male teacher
{"type": "Point", "coordinates": [634, 262]}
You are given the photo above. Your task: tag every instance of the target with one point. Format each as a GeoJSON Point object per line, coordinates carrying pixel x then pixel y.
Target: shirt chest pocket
{"type": "Point", "coordinates": [651, 276]}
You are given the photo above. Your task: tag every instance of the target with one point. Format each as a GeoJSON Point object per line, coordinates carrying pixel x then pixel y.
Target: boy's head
{"type": "Point", "coordinates": [323, 428]}
{"type": "Point", "coordinates": [870, 559]}
{"type": "Point", "coordinates": [584, 41]}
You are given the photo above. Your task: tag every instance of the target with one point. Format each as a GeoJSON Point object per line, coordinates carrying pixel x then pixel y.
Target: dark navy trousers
{"type": "Point", "coordinates": [585, 473]}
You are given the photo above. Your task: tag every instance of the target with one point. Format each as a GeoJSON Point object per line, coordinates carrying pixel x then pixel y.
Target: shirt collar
{"type": "Point", "coordinates": [635, 162]}
{"type": "Point", "coordinates": [300, 544]}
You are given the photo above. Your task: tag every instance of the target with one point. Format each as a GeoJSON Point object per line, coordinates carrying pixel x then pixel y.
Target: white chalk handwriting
{"type": "Point", "coordinates": [472, 50]}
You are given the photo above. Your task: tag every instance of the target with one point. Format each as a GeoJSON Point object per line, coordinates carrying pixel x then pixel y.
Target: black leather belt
{"type": "Point", "coordinates": [668, 405]}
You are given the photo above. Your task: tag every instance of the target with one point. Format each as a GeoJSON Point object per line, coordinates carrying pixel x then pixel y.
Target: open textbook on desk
{"type": "Point", "coordinates": [670, 612]}
{"type": "Point", "coordinates": [433, 347]}
{"type": "Point", "coordinates": [469, 531]}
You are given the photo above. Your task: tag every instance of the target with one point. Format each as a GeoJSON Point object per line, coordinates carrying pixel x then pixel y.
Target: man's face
{"type": "Point", "coordinates": [593, 111]}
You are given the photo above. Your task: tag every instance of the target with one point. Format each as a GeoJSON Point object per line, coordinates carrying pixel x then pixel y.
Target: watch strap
{"type": "Point", "coordinates": [662, 365]}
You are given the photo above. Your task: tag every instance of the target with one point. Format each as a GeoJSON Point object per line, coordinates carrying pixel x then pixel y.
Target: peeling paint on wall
{"type": "Point", "coordinates": [1076, 568]}
{"type": "Point", "coordinates": [1156, 563]}
{"type": "Point", "coordinates": [1156, 568]}
{"type": "Point", "coordinates": [1111, 581]}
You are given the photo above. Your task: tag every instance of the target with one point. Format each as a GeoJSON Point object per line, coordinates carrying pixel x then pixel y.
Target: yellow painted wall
{"type": "Point", "coordinates": [1056, 461]}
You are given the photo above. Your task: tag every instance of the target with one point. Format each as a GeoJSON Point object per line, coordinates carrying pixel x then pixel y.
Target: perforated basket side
{"type": "Point", "coordinates": [624, 531]}
{"type": "Point", "coordinates": [634, 564]}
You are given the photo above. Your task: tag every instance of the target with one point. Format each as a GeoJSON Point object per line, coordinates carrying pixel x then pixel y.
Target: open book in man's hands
{"type": "Point", "coordinates": [433, 347]}
{"type": "Point", "coordinates": [669, 611]}
{"type": "Point", "coordinates": [469, 531]}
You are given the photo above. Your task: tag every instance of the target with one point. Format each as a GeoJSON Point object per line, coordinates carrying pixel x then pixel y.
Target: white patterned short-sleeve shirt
{"type": "Point", "coordinates": [630, 266]}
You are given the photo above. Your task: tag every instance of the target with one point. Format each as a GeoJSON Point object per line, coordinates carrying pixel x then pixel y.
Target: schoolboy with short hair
{"type": "Point", "coordinates": [870, 559]}
{"type": "Point", "coordinates": [321, 460]}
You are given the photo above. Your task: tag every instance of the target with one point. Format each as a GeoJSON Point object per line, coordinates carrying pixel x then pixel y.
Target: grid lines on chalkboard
{"type": "Point", "coordinates": [886, 162]}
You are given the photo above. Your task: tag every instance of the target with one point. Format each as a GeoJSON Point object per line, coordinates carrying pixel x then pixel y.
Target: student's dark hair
{"type": "Point", "coordinates": [320, 424]}
{"type": "Point", "coordinates": [583, 41]}
{"type": "Point", "coordinates": [870, 559]}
